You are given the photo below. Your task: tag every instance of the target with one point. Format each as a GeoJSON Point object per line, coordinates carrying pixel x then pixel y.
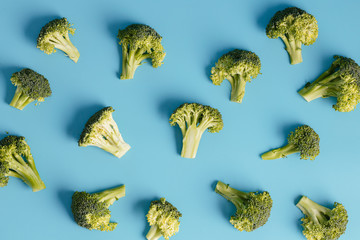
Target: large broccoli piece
{"type": "Point", "coordinates": [31, 86]}
{"type": "Point", "coordinates": [91, 210]}
{"type": "Point", "coordinates": [17, 161]}
{"type": "Point", "coordinates": [322, 223]}
{"type": "Point", "coordinates": [55, 34]}
{"type": "Point", "coordinates": [295, 27]}
{"type": "Point", "coordinates": [303, 140]}
{"type": "Point", "coordinates": [163, 218]}
{"type": "Point", "coordinates": [238, 67]}
{"type": "Point", "coordinates": [252, 208]}
{"type": "Point", "coordinates": [102, 131]}
{"type": "Point", "coordinates": [139, 42]}
{"type": "Point", "coordinates": [193, 119]}
{"type": "Point", "coordinates": [341, 80]}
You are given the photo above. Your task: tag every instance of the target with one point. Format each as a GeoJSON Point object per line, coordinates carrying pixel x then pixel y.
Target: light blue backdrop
{"type": "Point", "coordinates": [195, 34]}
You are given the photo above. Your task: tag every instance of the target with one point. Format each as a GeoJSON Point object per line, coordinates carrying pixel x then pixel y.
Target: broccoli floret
{"type": "Point", "coordinates": [102, 131]}
{"type": "Point", "coordinates": [303, 140]}
{"type": "Point", "coordinates": [295, 27]}
{"type": "Point", "coordinates": [238, 67]}
{"type": "Point", "coordinates": [31, 86]}
{"type": "Point", "coordinates": [17, 161]}
{"type": "Point", "coordinates": [91, 210]}
{"type": "Point", "coordinates": [163, 218]}
{"type": "Point", "coordinates": [139, 42]}
{"type": "Point", "coordinates": [193, 119]}
{"type": "Point", "coordinates": [322, 223]}
{"type": "Point", "coordinates": [55, 34]}
{"type": "Point", "coordinates": [341, 80]}
{"type": "Point", "coordinates": [252, 208]}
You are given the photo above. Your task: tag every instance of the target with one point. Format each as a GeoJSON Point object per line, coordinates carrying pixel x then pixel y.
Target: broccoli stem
{"type": "Point", "coordinates": [154, 233]}
{"type": "Point", "coordinates": [319, 214]}
{"type": "Point", "coordinates": [233, 195]}
{"type": "Point", "coordinates": [63, 43]}
{"type": "Point", "coordinates": [129, 63]}
{"type": "Point", "coordinates": [20, 99]}
{"type": "Point", "coordinates": [109, 196]}
{"type": "Point", "coordinates": [191, 141]}
{"type": "Point", "coordinates": [280, 152]}
{"type": "Point", "coordinates": [237, 88]}
{"type": "Point", "coordinates": [293, 47]}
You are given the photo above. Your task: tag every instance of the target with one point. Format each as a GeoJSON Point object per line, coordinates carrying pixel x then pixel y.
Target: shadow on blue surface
{"type": "Point", "coordinates": [34, 25]}
{"type": "Point", "coordinates": [65, 197]}
{"type": "Point", "coordinates": [264, 17]}
{"type": "Point", "coordinates": [142, 206]}
{"type": "Point", "coordinates": [9, 88]}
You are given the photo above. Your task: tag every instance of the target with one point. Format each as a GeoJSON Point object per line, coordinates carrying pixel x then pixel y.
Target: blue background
{"type": "Point", "coordinates": [195, 34]}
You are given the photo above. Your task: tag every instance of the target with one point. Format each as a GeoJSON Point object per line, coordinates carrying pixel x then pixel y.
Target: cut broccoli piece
{"type": "Point", "coordinates": [31, 86]}
{"type": "Point", "coordinates": [193, 119]}
{"type": "Point", "coordinates": [238, 67]}
{"type": "Point", "coordinates": [252, 208]}
{"type": "Point", "coordinates": [295, 27]}
{"type": "Point", "coordinates": [91, 210]}
{"type": "Point", "coordinates": [55, 34]}
{"type": "Point", "coordinates": [341, 80]}
{"type": "Point", "coordinates": [17, 161]}
{"type": "Point", "coordinates": [102, 131]}
{"type": "Point", "coordinates": [139, 42]}
{"type": "Point", "coordinates": [322, 223]}
{"type": "Point", "coordinates": [163, 218]}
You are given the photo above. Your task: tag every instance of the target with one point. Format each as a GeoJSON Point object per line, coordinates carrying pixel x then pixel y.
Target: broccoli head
{"type": "Point", "coordinates": [31, 86]}
{"type": "Point", "coordinates": [193, 119]}
{"type": "Point", "coordinates": [102, 131]}
{"type": "Point", "coordinates": [91, 210]}
{"type": "Point", "coordinates": [303, 140]}
{"type": "Point", "coordinates": [139, 42]}
{"type": "Point", "coordinates": [163, 218]}
{"type": "Point", "coordinates": [252, 208]}
{"type": "Point", "coordinates": [238, 67]}
{"type": "Point", "coordinates": [295, 27]}
{"type": "Point", "coordinates": [320, 222]}
{"type": "Point", "coordinates": [17, 161]}
{"type": "Point", "coordinates": [55, 34]}
{"type": "Point", "coordinates": [341, 80]}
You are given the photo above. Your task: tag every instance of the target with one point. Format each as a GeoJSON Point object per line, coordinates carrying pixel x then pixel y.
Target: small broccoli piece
{"type": "Point", "coordinates": [252, 208]}
{"type": "Point", "coordinates": [163, 218]}
{"type": "Point", "coordinates": [139, 42]}
{"type": "Point", "coordinates": [321, 223]}
{"type": "Point", "coordinates": [91, 210]}
{"type": "Point", "coordinates": [341, 80]}
{"type": "Point", "coordinates": [55, 34]}
{"type": "Point", "coordinates": [238, 67]}
{"type": "Point", "coordinates": [102, 131]}
{"type": "Point", "coordinates": [17, 161]}
{"type": "Point", "coordinates": [193, 119]}
{"type": "Point", "coordinates": [31, 86]}
{"type": "Point", "coordinates": [295, 27]}
{"type": "Point", "coordinates": [303, 140]}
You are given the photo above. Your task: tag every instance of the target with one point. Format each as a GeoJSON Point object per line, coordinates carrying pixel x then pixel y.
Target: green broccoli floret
{"type": "Point", "coordinates": [31, 86]}
{"type": "Point", "coordinates": [102, 131]}
{"type": "Point", "coordinates": [252, 208]}
{"type": "Point", "coordinates": [163, 218]}
{"type": "Point", "coordinates": [341, 80]}
{"type": "Point", "coordinates": [17, 161]}
{"type": "Point", "coordinates": [303, 140]}
{"type": "Point", "coordinates": [193, 119]}
{"type": "Point", "coordinates": [295, 27]}
{"type": "Point", "coordinates": [139, 42]}
{"type": "Point", "coordinates": [321, 223]}
{"type": "Point", "coordinates": [91, 210]}
{"type": "Point", "coordinates": [55, 34]}
{"type": "Point", "coordinates": [238, 67]}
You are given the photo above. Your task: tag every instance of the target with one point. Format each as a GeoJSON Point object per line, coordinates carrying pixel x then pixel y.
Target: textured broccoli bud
{"type": "Point", "coordinates": [193, 119]}
{"type": "Point", "coordinates": [91, 210]}
{"type": "Point", "coordinates": [17, 161]}
{"type": "Point", "coordinates": [341, 80]}
{"type": "Point", "coordinates": [55, 35]}
{"type": "Point", "coordinates": [303, 140]}
{"type": "Point", "coordinates": [321, 223]}
{"type": "Point", "coordinates": [252, 208]}
{"type": "Point", "coordinates": [295, 27]}
{"type": "Point", "coordinates": [139, 42]}
{"type": "Point", "coordinates": [102, 131]}
{"type": "Point", "coordinates": [163, 218]}
{"type": "Point", "coordinates": [238, 67]}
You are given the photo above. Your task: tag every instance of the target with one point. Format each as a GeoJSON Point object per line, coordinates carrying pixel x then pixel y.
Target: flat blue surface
{"type": "Point", "coordinates": [195, 34]}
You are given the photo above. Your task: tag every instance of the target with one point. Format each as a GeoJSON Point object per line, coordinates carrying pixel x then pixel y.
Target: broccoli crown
{"type": "Point", "coordinates": [11, 145]}
{"type": "Point", "coordinates": [293, 22]}
{"type": "Point", "coordinates": [306, 140]}
{"type": "Point", "coordinates": [4, 172]}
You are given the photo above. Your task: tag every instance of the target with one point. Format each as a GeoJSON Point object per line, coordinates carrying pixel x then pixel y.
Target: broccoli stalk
{"type": "Point", "coordinates": [63, 43]}
{"type": "Point", "coordinates": [237, 88]}
{"type": "Point", "coordinates": [293, 47]}
{"type": "Point", "coordinates": [20, 99]}
{"type": "Point", "coordinates": [319, 214]}
{"type": "Point", "coordinates": [280, 152]}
